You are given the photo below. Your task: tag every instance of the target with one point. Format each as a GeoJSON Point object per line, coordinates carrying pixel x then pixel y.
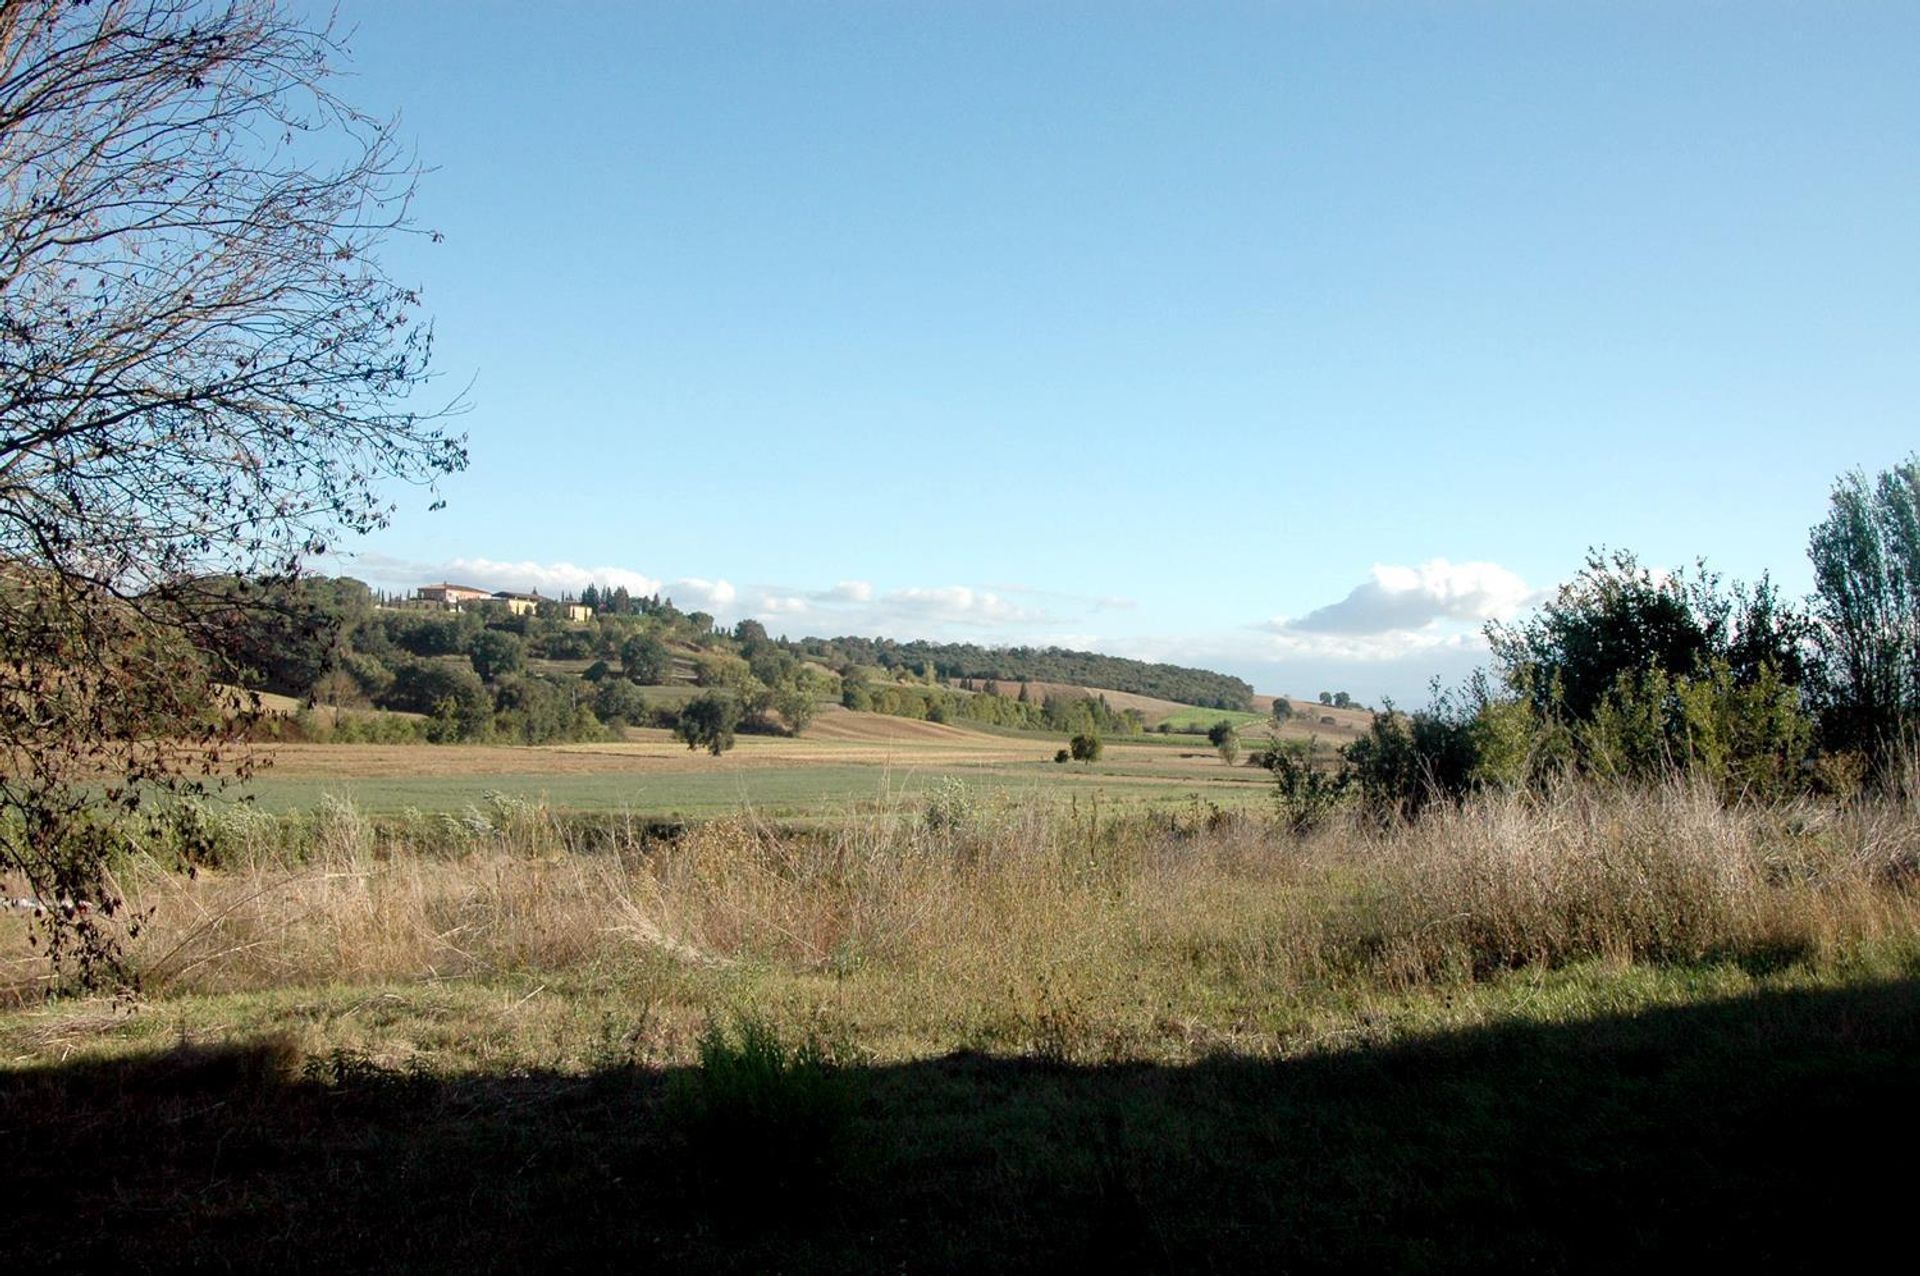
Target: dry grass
{"type": "Point", "coordinates": [1017, 925]}
{"type": "Point", "coordinates": [1624, 1023]}
{"type": "Point", "coordinates": [839, 737]}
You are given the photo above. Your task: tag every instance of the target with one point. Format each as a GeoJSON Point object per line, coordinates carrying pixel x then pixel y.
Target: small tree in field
{"type": "Point", "coordinates": [206, 375]}
{"type": "Point", "coordinates": [1085, 748]}
{"type": "Point", "coordinates": [1282, 709]}
{"type": "Point", "coordinates": [708, 722]}
{"type": "Point", "coordinates": [1225, 740]}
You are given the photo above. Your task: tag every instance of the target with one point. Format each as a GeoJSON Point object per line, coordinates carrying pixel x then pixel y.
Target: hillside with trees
{"type": "Point", "coordinates": [954, 661]}
{"type": "Point", "coordinates": [486, 673]}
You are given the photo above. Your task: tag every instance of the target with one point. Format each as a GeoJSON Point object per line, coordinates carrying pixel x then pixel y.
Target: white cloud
{"type": "Point", "coordinates": [913, 611]}
{"type": "Point", "coordinates": [958, 603]}
{"type": "Point", "coordinates": [1090, 602]}
{"type": "Point", "coordinates": [1389, 637]}
{"type": "Point", "coordinates": [847, 591]}
{"type": "Point", "coordinates": [695, 594]}
{"type": "Point", "coordinates": [1398, 644]}
{"type": "Point", "coordinates": [1408, 600]}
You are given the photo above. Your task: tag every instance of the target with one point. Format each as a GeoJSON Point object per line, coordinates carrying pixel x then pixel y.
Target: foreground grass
{"type": "Point", "coordinates": [1588, 1029]}
{"type": "Point", "coordinates": [1742, 1130]}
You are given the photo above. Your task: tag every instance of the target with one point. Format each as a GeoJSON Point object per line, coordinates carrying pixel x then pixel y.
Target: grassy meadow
{"type": "Point", "coordinates": [961, 1023]}
{"type": "Point", "coordinates": [845, 761]}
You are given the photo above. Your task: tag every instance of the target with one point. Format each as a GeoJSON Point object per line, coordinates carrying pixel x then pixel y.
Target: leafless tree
{"type": "Point", "coordinates": [204, 370]}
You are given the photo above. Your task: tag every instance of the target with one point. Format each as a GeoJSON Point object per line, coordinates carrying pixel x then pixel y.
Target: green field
{"type": "Point", "coordinates": [1195, 718]}
{"type": "Point", "coordinates": [853, 761]}
{"type": "Point", "coordinates": [772, 791]}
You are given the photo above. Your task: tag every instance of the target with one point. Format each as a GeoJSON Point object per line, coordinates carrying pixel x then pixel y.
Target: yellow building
{"type": "Point", "coordinates": [519, 604]}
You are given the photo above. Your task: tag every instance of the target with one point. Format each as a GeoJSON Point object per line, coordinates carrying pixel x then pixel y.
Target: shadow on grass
{"type": "Point", "coordinates": [1772, 1130]}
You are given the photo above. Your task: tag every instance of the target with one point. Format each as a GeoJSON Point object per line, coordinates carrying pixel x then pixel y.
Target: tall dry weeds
{"type": "Point", "coordinates": [989, 899]}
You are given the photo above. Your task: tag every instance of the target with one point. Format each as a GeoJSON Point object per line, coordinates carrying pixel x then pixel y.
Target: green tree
{"type": "Point", "coordinates": [1866, 607]}
{"type": "Point", "coordinates": [646, 660]}
{"type": "Point", "coordinates": [447, 692]}
{"type": "Point", "coordinates": [1282, 709]}
{"type": "Point", "coordinates": [1085, 747]}
{"type": "Point", "coordinates": [1633, 673]}
{"type": "Point", "coordinates": [708, 722]}
{"type": "Point", "coordinates": [751, 635]}
{"type": "Point", "coordinates": [856, 694]}
{"type": "Point", "coordinates": [617, 703]}
{"type": "Point", "coordinates": [795, 699]}
{"type": "Point", "coordinates": [370, 675]}
{"type": "Point", "coordinates": [1615, 618]}
{"type": "Point", "coordinates": [495, 654]}
{"type": "Point", "coordinates": [1225, 740]}
{"type": "Point", "coordinates": [534, 710]}
{"type": "Point", "coordinates": [754, 697]}
{"type": "Point", "coordinates": [718, 669]}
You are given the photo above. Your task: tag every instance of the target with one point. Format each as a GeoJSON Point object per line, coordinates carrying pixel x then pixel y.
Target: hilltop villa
{"type": "Point", "coordinates": [451, 595]}
{"type": "Point", "coordinates": [458, 597]}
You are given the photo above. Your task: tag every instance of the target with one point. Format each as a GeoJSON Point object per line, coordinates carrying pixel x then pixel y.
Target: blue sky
{"type": "Point", "coordinates": [1294, 340]}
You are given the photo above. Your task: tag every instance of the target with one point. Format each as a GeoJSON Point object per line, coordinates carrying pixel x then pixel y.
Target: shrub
{"type": "Point", "coordinates": [949, 806]}
{"type": "Point", "coordinates": [1304, 795]}
{"type": "Point", "coordinates": [1406, 761]}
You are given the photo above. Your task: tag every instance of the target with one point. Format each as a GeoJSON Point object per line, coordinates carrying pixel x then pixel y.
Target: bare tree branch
{"type": "Point", "coordinates": [203, 370]}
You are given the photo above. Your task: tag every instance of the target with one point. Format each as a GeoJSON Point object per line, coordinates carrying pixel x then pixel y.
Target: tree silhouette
{"type": "Point", "coordinates": [203, 372]}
